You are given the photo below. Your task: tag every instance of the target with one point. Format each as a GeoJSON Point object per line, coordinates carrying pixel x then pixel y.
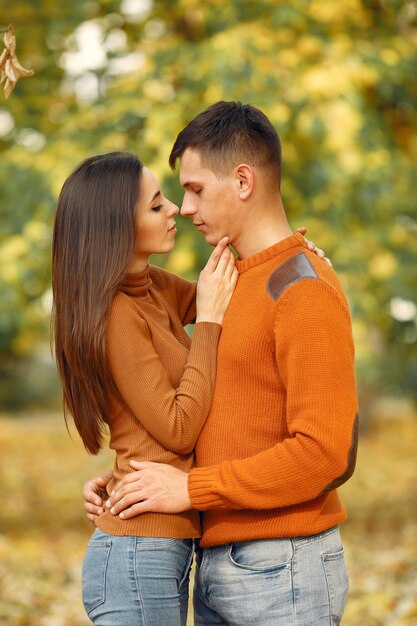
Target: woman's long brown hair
{"type": "Point", "coordinates": [92, 249]}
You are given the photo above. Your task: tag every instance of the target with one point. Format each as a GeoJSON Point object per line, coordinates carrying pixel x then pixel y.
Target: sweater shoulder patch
{"type": "Point", "coordinates": [290, 272]}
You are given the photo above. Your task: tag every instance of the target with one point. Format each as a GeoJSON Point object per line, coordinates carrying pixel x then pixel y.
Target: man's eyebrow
{"type": "Point", "coordinates": [188, 183]}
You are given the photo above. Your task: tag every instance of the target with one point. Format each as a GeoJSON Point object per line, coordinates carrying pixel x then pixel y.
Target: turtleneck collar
{"type": "Point", "coordinates": [294, 240]}
{"type": "Point", "coordinates": [137, 284]}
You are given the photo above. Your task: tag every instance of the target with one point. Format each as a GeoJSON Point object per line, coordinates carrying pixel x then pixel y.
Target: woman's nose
{"type": "Point", "coordinates": [173, 209]}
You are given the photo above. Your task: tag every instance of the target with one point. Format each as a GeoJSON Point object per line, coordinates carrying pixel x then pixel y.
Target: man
{"type": "Point", "coordinates": [281, 434]}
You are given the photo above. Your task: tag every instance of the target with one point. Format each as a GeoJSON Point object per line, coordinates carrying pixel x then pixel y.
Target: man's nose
{"type": "Point", "coordinates": [187, 207]}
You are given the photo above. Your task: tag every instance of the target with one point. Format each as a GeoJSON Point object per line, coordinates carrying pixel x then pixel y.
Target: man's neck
{"type": "Point", "coordinates": [264, 234]}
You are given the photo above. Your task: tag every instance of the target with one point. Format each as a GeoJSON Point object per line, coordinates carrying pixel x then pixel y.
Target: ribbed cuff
{"type": "Point", "coordinates": [202, 491]}
{"type": "Point", "coordinates": [207, 329]}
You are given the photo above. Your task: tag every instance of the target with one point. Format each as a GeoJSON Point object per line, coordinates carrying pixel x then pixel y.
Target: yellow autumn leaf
{"type": "Point", "coordinates": [10, 68]}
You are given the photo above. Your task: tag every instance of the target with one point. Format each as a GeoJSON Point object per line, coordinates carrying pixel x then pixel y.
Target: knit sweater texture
{"type": "Point", "coordinates": [165, 382]}
{"type": "Point", "coordinates": [281, 432]}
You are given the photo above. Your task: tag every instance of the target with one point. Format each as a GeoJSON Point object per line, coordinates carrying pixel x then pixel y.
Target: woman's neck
{"type": "Point", "coordinates": [139, 265]}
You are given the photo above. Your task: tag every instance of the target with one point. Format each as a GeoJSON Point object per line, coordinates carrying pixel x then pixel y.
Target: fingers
{"type": "Point", "coordinates": [122, 500]}
{"type": "Point", "coordinates": [94, 492]}
{"type": "Point", "coordinates": [133, 478]}
{"type": "Point", "coordinates": [311, 246]}
{"type": "Point", "coordinates": [231, 267]}
{"type": "Point", "coordinates": [92, 511]}
{"type": "Point", "coordinates": [225, 258]}
{"type": "Point", "coordinates": [93, 503]}
{"type": "Point", "coordinates": [129, 479]}
{"type": "Point", "coordinates": [136, 509]}
{"type": "Point", "coordinates": [232, 273]}
{"type": "Point", "coordinates": [216, 254]}
{"type": "Point", "coordinates": [104, 478]}
{"type": "Point", "coordinates": [91, 494]}
{"type": "Point", "coordinates": [94, 488]}
{"type": "Point", "coordinates": [124, 496]}
{"type": "Point", "coordinates": [132, 489]}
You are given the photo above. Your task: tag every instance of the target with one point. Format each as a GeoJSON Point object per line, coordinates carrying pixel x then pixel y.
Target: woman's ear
{"type": "Point", "coordinates": [245, 178]}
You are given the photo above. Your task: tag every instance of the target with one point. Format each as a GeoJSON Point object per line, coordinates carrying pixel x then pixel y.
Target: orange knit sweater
{"type": "Point", "coordinates": [166, 382]}
{"type": "Point", "coordinates": [281, 432]}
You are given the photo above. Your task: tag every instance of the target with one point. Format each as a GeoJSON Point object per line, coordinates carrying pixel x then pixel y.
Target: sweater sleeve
{"type": "Point", "coordinates": [315, 363]}
{"type": "Point", "coordinates": [173, 416]}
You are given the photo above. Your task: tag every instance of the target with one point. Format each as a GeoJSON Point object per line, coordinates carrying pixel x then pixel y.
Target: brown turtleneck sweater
{"type": "Point", "coordinates": [166, 382]}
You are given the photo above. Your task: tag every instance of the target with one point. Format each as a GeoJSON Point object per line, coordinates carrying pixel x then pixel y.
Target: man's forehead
{"type": "Point", "coordinates": [188, 179]}
{"type": "Point", "coordinates": [191, 170]}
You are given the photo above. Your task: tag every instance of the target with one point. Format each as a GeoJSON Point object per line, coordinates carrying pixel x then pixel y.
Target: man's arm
{"type": "Point", "coordinates": [154, 487]}
{"type": "Point", "coordinates": [315, 362]}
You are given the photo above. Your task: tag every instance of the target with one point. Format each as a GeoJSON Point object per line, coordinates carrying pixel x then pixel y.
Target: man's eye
{"type": "Point", "coordinates": [197, 191]}
{"type": "Point", "coordinates": [157, 208]}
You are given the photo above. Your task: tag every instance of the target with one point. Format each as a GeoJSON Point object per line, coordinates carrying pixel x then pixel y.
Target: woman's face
{"type": "Point", "coordinates": [155, 223]}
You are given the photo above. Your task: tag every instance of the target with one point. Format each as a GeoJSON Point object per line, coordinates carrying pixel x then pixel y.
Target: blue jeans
{"type": "Point", "coordinates": [136, 581]}
{"type": "Point", "coordinates": [278, 582]}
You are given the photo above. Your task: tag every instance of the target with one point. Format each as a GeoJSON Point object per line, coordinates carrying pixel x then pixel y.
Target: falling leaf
{"type": "Point", "coordinates": [10, 68]}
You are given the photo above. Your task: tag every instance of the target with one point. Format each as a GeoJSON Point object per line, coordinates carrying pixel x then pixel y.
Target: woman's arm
{"type": "Point", "coordinates": [174, 416]}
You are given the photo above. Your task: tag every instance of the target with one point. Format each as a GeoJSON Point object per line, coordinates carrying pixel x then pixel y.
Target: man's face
{"type": "Point", "coordinates": [208, 200]}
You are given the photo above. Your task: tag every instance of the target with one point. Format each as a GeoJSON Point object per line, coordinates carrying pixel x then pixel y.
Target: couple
{"type": "Point", "coordinates": [265, 391]}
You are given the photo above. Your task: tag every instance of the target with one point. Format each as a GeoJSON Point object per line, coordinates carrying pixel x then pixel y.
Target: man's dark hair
{"type": "Point", "coordinates": [229, 133]}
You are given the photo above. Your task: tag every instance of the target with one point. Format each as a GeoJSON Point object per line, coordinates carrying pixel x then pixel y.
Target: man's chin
{"type": "Point", "coordinates": [212, 239]}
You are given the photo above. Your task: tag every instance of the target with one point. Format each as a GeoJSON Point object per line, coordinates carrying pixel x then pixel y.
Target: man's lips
{"type": "Point", "coordinates": [199, 225]}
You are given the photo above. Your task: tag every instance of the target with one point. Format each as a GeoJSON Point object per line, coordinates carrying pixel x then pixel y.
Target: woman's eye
{"type": "Point", "coordinates": [157, 208]}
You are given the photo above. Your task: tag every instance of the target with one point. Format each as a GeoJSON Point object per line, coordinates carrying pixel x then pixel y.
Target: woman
{"type": "Point", "coordinates": [127, 365]}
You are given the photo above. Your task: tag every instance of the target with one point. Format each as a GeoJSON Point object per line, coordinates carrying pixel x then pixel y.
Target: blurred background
{"type": "Point", "coordinates": [338, 80]}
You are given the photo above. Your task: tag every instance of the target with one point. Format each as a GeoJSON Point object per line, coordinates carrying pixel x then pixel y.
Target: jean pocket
{"type": "Point", "coordinates": [94, 574]}
{"type": "Point", "coordinates": [262, 555]}
{"type": "Point", "coordinates": [337, 584]}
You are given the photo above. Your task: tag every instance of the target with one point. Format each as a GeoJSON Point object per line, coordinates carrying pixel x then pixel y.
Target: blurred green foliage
{"type": "Point", "coordinates": [336, 78]}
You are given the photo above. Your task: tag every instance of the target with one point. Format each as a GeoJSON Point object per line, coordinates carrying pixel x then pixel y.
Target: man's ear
{"type": "Point", "coordinates": [245, 178]}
